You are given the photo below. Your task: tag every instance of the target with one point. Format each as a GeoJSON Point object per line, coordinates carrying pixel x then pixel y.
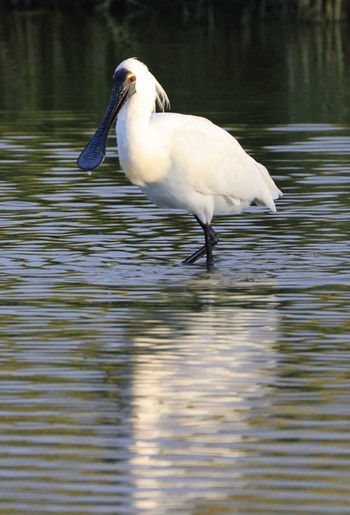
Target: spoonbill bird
{"type": "Point", "coordinates": [179, 161]}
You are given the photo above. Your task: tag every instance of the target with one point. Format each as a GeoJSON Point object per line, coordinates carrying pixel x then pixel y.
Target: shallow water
{"type": "Point", "coordinates": [132, 383]}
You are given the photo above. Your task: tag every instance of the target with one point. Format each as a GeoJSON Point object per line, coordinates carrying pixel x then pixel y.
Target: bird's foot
{"type": "Point", "coordinates": [190, 260]}
{"type": "Point", "coordinates": [195, 256]}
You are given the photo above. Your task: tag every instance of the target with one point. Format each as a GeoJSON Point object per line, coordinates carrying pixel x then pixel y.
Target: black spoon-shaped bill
{"type": "Point", "coordinates": [95, 151]}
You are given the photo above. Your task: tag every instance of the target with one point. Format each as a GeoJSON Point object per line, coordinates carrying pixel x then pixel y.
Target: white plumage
{"type": "Point", "coordinates": [179, 161]}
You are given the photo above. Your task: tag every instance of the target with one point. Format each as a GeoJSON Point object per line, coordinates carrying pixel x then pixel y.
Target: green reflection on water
{"type": "Point", "coordinates": [52, 62]}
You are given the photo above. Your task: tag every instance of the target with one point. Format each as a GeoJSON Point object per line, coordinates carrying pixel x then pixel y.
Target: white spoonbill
{"type": "Point", "coordinates": [179, 161]}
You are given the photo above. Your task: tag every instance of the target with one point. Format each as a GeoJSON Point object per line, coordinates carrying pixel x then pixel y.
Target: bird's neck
{"type": "Point", "coordinates": [137, 144]}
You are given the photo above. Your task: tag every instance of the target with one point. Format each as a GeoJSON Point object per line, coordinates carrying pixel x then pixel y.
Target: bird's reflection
{"type": "Point", "coordinates": [203, 366]}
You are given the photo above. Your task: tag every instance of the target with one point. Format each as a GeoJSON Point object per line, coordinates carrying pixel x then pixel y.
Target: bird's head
{"type": "Point", "coordinates": [131, 77]}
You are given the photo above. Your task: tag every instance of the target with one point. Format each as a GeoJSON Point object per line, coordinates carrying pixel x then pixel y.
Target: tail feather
{"type": "Point", "coordinates": [273, 192]}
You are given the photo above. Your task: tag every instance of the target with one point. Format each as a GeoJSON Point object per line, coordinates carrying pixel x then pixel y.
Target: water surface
{"type": "Point", "coordinates": [129, 382]}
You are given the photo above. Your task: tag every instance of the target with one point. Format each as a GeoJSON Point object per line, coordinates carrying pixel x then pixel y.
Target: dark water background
{"type": "Point", "coordinates": [133, 384]}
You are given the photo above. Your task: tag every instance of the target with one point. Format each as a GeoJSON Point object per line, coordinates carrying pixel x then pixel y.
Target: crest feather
{"type": "Point", "coordinates": [162, 100]}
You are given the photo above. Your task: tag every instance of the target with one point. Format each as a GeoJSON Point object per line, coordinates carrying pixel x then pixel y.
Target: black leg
{"type": "Point", "coordinates": [211, 240]}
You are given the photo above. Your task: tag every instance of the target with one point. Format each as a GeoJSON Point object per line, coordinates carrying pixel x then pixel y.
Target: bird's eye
{"type": "Point", "coordinates": [131, 78]}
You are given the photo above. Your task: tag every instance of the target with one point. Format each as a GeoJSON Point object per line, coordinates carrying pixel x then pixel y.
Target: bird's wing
{"type": "Point", "coordinates": [216, 164]}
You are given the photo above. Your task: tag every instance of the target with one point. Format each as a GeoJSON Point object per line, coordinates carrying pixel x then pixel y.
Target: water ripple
{"type": "Point", "coordinates": [131, 383]}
